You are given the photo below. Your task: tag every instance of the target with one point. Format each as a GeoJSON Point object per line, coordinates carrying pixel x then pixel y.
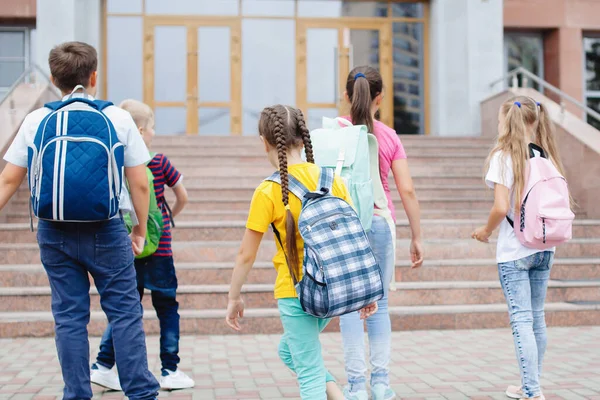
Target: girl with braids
{"type": "Point", "coordinates": [364, 91]}
{"type": "Point", "coordinates": [523, 271]}
{"type": "Point", "coordinates": [284, 134]}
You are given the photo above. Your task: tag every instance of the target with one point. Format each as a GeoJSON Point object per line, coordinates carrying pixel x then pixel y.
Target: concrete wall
{"type": "Point", "coordinates": [466, 56]}
{"type": "Point", "coordinates": [579, 145]}
{"type": "Point", "coordinates": [564, 23]}
{"type": "Point", "coordinates": [60, 21]}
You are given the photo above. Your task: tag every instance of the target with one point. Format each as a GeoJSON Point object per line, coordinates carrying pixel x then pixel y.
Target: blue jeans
{"type": "Point", "coordinates": [525, 283]}
{"type": "Point", "coordinates": [69, 251]}
{"type": "Point", "coordinates": [378, 326]}
{"type": "Point", "coordinates": [158, 275]}
{"type": "Point", "coordinates": [300, 349]}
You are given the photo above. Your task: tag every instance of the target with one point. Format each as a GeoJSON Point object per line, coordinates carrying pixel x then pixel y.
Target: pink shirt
{"type": "Point", "coordinates": [390, 150]}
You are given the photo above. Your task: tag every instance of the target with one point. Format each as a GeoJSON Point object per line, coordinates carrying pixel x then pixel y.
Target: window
{"type": "Point", "coordinates": [591, 46]}
{"type": "Point", "coordinates": [524, 50]}
{"type": "Point", "coordinates": [14, 56]}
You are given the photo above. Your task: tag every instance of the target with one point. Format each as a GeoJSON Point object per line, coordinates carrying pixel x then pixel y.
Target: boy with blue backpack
{"type": "Point", "coordinates": [76, 154]}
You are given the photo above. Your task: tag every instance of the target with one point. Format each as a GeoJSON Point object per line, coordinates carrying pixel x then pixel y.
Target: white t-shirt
{"type": "Point", "coordinates": [509, 247]}
{"type": "Point", "coordinates": [136, 152]}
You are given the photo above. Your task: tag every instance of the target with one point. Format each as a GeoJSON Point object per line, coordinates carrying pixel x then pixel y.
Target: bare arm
{"type": "Point", "coordinates": [497, 214]}
{"type": "Point", "coordinates": [181, 199]}
{"type": "Point", "coordinates": [410, 202]}
{"type": "Point", "coordinates": [407, 192]}
{"type": "Point", "coordinates": [11, 178]}
{"type": "Point", "coordinates": [140, 197]}
{"type": "Point", "coordinates": [243, 264]}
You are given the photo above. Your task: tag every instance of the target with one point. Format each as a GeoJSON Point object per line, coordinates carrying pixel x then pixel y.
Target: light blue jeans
{"type": "Point", "coordinates": [525, 283]}
{"type": "Point", "coordinates": [378, 326]}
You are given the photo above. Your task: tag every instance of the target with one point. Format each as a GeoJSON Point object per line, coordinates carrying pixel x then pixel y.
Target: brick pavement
{"type": "Point", "coordinates": [425, 365]}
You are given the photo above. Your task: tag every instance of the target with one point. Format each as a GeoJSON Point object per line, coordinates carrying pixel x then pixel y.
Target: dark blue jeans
{"type": "Point", "coordinates": [69, 251]}
{"type": "Point", "coordinates": [158, 275]}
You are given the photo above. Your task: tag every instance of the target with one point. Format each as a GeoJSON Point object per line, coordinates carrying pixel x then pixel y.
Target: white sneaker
{"type": "Point", "coordinates": [170, 380]}
{"type": "Point", "coordinates": [105, 377]}
{"type": "Point", "coordinates": [358, 395]}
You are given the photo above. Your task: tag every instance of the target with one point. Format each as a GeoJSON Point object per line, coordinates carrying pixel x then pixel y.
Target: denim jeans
{"type": "Point", "coordinates": [525, 283]}
{"type": "Point", "coordinates": [69, 251]}
{"type": "Point", "coordinates": [158, 275]}
{"type": "Point", "coordinates": [300, 349]}
{"type": "Point", "coordinates": [378, 326]}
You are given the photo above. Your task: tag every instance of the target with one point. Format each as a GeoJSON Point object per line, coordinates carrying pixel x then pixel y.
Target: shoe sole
{"type": "Point", "coordinates": [176, 388]}
{"type": "Point", "coordinates": [511, 395]}
{"type": "Point", "coordinates": [105, 385]}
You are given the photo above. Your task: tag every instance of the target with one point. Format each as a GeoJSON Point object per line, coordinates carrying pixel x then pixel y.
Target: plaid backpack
{"type": "Point", "coordinates": [341, 274]}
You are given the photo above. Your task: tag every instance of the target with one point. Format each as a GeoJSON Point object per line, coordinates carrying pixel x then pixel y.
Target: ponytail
{"type": "Point", "coordinates": [364, 84]}
{"type": "Point", "coordinates": [360, 112]}
{"type": "Point", "coordinates": [280, 136]}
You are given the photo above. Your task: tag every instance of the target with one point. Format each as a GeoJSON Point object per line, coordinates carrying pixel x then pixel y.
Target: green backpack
{"type": "Point", "coordinates": [154, 226]}
{"type": "Point", "coordinates": [345, 147]}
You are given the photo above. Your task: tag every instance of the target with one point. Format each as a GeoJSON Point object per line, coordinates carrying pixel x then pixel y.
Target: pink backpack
{"type": "Point", "coordinates": [545, 215]}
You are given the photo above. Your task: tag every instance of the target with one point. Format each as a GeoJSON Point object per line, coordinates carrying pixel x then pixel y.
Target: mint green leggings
{"type": "Point", "coordinates": [300, 349]}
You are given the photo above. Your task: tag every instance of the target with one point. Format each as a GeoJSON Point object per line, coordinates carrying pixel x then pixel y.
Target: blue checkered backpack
{"type": "Point", "coordinates": [341, 274]}
{"type": "Point", "coordinates": [76, 163]}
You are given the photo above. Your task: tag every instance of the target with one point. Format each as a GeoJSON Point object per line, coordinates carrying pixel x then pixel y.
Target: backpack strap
{"type": "Point", "coordinates": [295, 186]}
{"type": "Point", "coordinates": [325, 180]}
{"type": "Point", "coordinates": [533, 148]}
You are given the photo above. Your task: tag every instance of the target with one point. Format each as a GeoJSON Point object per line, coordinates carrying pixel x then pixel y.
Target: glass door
{"type": "Point", "coordinates": [192, 73]}
{"type": "Point", "coordinates": [326, 53]}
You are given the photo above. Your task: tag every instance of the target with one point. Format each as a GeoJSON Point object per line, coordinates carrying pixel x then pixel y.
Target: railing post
{"type": "Point", "coordinates": [524, 81]}
{"type": "Point", "coordinates": [515, 82]}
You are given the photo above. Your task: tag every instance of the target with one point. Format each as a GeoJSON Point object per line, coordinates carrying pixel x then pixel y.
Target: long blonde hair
{"type": "Point", "coordinates": [524, 120]}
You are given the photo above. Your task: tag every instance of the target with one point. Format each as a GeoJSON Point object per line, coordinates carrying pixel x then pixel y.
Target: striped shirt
{"type": "Point", "coordinates": [164, 174]}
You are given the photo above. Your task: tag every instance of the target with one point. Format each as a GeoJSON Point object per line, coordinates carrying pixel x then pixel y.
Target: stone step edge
{"type": "Point", "coordinates": [46, 316]}
{"type": "Point", "coordinates": [471, 262]}
{"type": "Point", "coordinates": [20, 226]}
{"type": "Point", "coordinates": [233, 243]}
{"type": "Point", "coordinates": [267, 287]}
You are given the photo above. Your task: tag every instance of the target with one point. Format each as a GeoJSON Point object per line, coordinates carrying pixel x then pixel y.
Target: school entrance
{"type": "Point", "coordinates": [209, 67]}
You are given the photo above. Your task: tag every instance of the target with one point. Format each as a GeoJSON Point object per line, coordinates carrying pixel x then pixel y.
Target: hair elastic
{"type": "Point", "coordinates": [518, 104]}
{"type": "Point", "coordinates": [287, 207]}
{"type": "Point", "coordinates": [538, 104]}
{"type": "Point", "coordinates": [359, 75]}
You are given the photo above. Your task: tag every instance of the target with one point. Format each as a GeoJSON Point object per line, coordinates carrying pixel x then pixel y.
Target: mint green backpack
{"type": "Point", "coordinates": [345, 147]}
{"type": "Point", "coordinates": [154, 227]}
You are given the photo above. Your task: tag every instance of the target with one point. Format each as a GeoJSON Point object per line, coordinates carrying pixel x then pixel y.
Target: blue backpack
{"type": "Point", "coordinates": [76, 163]}
{"type": "Point", "coordinates": [341, 274]}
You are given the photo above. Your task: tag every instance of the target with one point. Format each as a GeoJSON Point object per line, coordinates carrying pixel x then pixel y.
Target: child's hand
{"type": "Point", "coordinates": [482, 234]}
{"type": "Point", "coordinates": [137, 243]}
{"type": "Point", "coordinates": [416, 254]}
{"type": "Point", "coordinates": [369, 310]}
{"type": "Point", "coordinates": [235, 311]}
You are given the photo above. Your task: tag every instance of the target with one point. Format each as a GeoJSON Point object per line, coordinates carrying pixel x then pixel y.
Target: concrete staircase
{"type": "Point", "coordinates": [457, 287]}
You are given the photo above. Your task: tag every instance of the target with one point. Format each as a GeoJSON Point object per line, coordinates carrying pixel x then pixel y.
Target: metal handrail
{"type": "Point", "coordinates": [23, 77]}
{"type": "Point", "coordinates": [525, 74]}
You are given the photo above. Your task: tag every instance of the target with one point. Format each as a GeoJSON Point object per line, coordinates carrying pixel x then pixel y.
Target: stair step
{"type": "Point", "coordinates": [261, 295]}
{"type": "Point", "coordinates": [234, 230]}
{"type": "Point", "coordinates": [226, 251]}
{"type": "Point", "coordinates": [266, 321]}
{"type": "Point", "coordinates": [198, 273]}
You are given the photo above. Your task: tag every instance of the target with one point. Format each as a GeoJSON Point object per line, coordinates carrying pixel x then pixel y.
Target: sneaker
{"type": "Point", "coordinates": [105, 377]}
{"type": "Point", "coordinates": [171, 380]}
{"type": "Point", "coordinates": [358, 395]}
{"type": "Point", "coordinates": [382, 392]}
{"type": "Point", "coordinates": [516, 392]}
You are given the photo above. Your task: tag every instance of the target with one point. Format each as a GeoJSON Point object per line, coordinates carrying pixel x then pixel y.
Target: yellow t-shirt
{"type": "Point", "coordinates": [267, 207]}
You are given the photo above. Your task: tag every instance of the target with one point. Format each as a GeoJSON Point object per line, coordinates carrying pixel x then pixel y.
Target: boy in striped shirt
{"type": "Point", "coordinates": [156, 272]}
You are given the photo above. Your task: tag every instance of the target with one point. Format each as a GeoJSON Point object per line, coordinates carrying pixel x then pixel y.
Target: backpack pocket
{"type": "Point", "coordinates": [553, 229]}
{"type": "Point", "coordinates": [362, 197]}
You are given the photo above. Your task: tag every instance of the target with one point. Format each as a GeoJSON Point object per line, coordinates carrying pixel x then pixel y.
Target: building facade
{"type": "Point", "coordinates": [209, 66]}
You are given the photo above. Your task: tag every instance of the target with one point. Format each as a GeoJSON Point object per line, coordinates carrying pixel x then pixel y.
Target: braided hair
{"type": "Point", "coordinates": [284, 128]}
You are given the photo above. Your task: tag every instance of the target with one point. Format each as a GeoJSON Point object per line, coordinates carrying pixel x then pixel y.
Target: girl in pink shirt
{"type": "Point", "coordinates": [364, 91]}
